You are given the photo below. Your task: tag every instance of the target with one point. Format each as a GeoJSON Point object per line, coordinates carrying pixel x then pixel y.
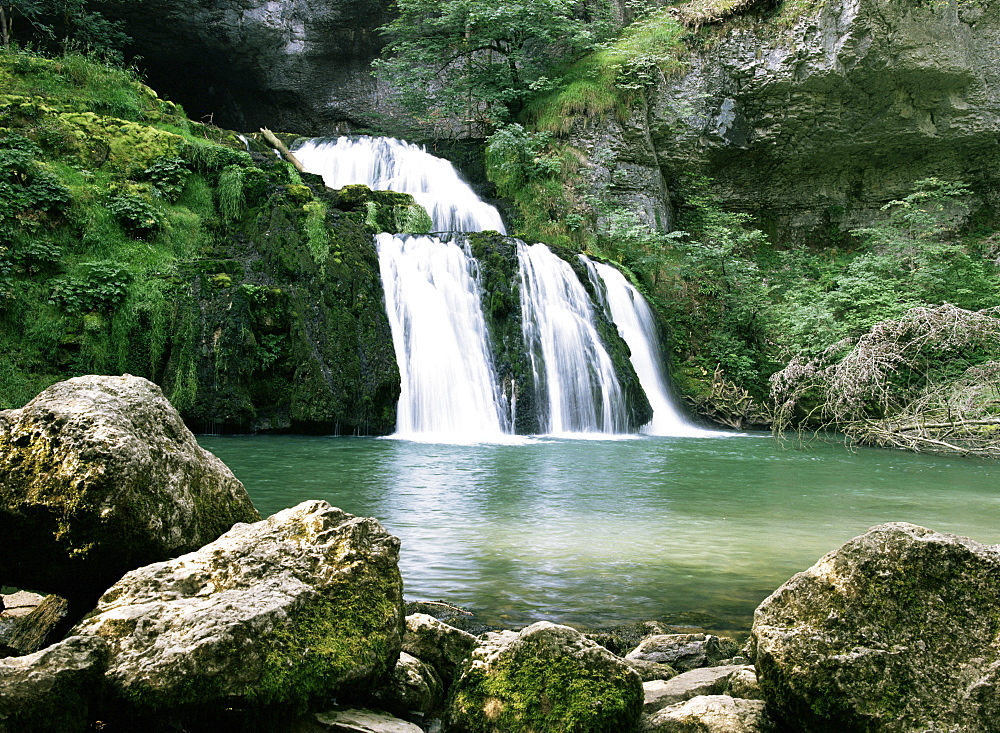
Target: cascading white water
{"type": "Point", "coordinates": [387, 164]}
{"type": "Point", "coordinates": [635, 322]}
{"type": "Point", "coordinates": [432, 293]}
{"type": "Point", "coordinates": [433, 301]}
{"type": "Point", "coordinates": [574, 377]}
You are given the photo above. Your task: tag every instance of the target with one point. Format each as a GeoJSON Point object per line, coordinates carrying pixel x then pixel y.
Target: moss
{"type": "Point", "coordinates": [350, 636]}
{"type": "Point", "coordinates": [552, 693]}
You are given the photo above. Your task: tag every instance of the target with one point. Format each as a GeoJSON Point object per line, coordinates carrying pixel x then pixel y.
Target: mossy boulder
{"type": "Point", "coordinates": [99, 475]}
{"type": "Point", "coordinates": [274, 614]}
{"type": "Point", "coordinates": [895, 631]}
{"type": "Point", "coordinates": [545, 678]}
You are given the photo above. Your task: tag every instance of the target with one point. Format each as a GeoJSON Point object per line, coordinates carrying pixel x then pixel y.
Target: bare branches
{"type": "Point", "coordinates": [925, 381]}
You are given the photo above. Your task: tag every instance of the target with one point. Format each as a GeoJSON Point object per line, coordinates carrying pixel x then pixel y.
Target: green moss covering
{"type": "Point", "coordinates": [143, 242]}
{"type": "Point", "coordinates": [536, 687]}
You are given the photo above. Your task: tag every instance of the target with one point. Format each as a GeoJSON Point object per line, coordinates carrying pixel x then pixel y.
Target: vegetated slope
{"type": "Point", "coordinates": [134, 240]}
{"type": "Point", "coordinates": [779, 178]}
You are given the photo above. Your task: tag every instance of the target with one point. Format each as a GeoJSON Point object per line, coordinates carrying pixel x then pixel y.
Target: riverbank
{"type": "Point", "coordinates": [172, 605]}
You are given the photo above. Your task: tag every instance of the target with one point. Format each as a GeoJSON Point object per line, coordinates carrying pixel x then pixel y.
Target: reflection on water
{"type": "Point", "coordinates": [596, 532]}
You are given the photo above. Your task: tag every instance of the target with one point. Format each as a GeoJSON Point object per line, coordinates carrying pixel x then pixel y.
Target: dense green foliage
{"type": "Point", "coordinates": [133, 240]}
{"type": "Point", "coordinates": [479, 61]}
{"type": "Point", "coordinates": [64, 24]}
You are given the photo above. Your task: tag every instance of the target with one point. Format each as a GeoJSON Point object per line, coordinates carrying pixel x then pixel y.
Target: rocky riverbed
{"type": "Point", "coordinates": [297, 622]}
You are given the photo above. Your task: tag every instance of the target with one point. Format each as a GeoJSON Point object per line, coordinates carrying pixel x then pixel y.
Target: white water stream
{"type": "Point", "coordinates": [387, 164]}
{"type": "Point", "coordinates": [574, 376]}
{"type": "Point", "coordinates": [434, 302]}
{"type": "Point", "coordinates": [635, 322]}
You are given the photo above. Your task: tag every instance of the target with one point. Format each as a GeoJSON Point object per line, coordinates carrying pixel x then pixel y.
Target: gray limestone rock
{"type": "Point", "coordinates": [684, 651]}
{"type": "Point", "coordinates": [895, 631]}
{"type": "Point", "coordinates": [99, 475]}
{"type": "Point", "coordinates": [360, 720]}
{"type": "Point", "coordinates": [710, 714]}
{"type": "Point", "coordinates": [649, 671]}
{"type": "Point", "coordinates": [302, 65]}
{"type": "Point", "coordinates": [440, 645]}
{"type": "Point", "coordinates": [413, 687]}
{"type": "Point", "coordinates": [545, 678]}
{"type": "Point", "coordinates": [743, 683]}
{"type": "Point", "coordinates": [702, 681]}
{"type": "Point", "coordinates": [815, 117]}
{"type": "Point", "coordinates": [278, 612]}
{"type": "Point", "coordinates": [53, 690]}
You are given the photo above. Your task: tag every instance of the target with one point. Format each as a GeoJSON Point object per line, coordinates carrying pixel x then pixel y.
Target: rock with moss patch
{"type": "Point", "coordinates": [54, 689]}
{"type": "Point", "coordinates": [895, 631]}
{"type": "Point", "coordinates": [684, 651]}
{"type": "Point", "coordinates": [99, 475]}
{"type": "Point", "coordinates": [276, 613]}
{"type": "Point", "coordinates": [437, 643]}
{"type": "Point", "coordinates": [711, 714]}
{"type": "Point", "coordinates": [545, 678]}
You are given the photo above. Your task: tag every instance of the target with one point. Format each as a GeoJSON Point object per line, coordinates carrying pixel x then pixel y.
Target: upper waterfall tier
{"type": "Point", "coordinates": [634, 320]}
{"type": "Point", "coordinates": [388, 164]}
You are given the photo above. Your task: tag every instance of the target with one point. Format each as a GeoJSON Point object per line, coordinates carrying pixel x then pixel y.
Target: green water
{"type": "Point", "coordinates": [604, 532]}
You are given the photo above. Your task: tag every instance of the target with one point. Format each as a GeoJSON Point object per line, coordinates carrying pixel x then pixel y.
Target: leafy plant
{"type": "Point", "coordinates": [96, 286]}
{"type": "Point", "coordinates": [134, 211]}
{"type": "Point", "coordinates": [168, 176]}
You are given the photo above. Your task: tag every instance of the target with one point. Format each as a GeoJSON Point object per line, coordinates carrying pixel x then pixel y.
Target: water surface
{"type": "Point", "coordinates": [594, 532]}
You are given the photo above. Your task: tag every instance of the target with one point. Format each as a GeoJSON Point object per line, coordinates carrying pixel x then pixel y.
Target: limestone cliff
{"type": "Point", "coordinates": [300, 65]}
{"type": "Point", "coordinates": [814, 115]}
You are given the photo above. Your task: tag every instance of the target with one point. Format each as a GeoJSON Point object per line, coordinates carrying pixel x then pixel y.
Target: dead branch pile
{"type": "Point", "coordinates": [924, 382]}
{"type": "Point", "coordinates": [730, 405]}
{"type": "Point", "coordinates": [697, 13]}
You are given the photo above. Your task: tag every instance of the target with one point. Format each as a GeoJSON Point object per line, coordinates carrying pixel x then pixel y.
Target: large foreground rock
{"type": "Point", "coordinates": [54, 689]}
{"type": "Point", "coordinates": [99, 475]}
{"type": "Point", "coordinates": [545, 678]}
{"type": "Point", "coordinates": [898, 630]}
{"type": "Point", "coordinates": [301, 604]}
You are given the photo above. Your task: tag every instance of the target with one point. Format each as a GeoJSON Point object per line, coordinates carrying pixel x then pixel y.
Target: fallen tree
{"type": "Point", "coordinates": [927, 381]}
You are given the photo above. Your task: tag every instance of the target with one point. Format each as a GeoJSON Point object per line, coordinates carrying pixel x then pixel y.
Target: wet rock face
{"type": "Point", "coordinates": [99, 475]}
{"type": "Point", "coordinates": [273, 613]}
{"type": "Point", "coordinates": [895, 631]}
{"type": "Point", "coordinates": [300, 65]}
{"type": "Point", "coordinates": [813, 122]}
{"type": "Point", "coordinates": [547, 677]}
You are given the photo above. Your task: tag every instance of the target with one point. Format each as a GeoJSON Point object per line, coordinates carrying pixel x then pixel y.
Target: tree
{"type": "Point", "coordinates": [70, 22]}
{"type": "Point", "coordinates": [479, 60]}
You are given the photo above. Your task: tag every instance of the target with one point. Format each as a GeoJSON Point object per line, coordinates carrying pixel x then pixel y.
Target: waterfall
{"type": "Point", "coordinates": [387, 164]}
{"type": "Point", "coordinates": [635, 322]}
{"type": "Point", "coordinates": [432, 294]}
{"type": "Point", "coordinates": [449, 386]}
{"type": "Point", "coordinates": [432, 297]}
{"type": "Point", "coordinates": [574, 376]}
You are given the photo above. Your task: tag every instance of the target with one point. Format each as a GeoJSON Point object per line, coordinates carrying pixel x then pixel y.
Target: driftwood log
{"type": "Point", "coordinates": [272, 138]}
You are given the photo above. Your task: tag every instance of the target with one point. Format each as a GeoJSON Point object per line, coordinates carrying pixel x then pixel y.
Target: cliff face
{"type": "Point", "coordinates": [301, 65]}
{"type": "Point", "coordinates": [813, 121]}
